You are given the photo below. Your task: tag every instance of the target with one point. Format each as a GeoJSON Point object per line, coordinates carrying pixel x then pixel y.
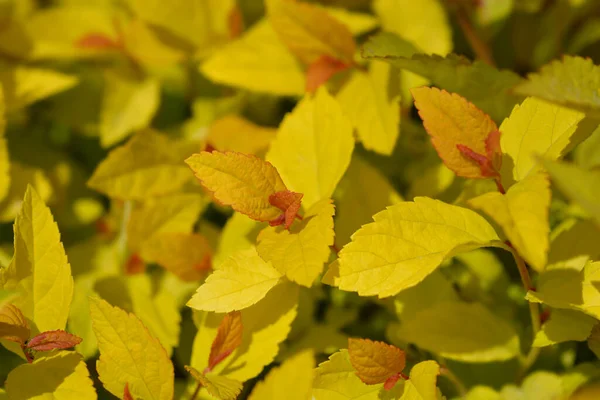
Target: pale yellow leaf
{"type": "Point", "coordinates": [20, 176]}
{"type": "Point", "coordinates": [405, 244]}
{"type": "Point", "coordinates": [239, 233]}
{"type": "Point", "coordinates": [373, 107]}
{"type": "Point", "coordinates": [313, 147]}
{"type": "Point", "coordinates": [241, 281]}
{"type": "Point", "coordinates": [422, 384]}
{"type": "Point", "coordinates": [523, 215]}
{"type": "Point", "coordinates": [564, 325]}
{"type": "Point", "coordinates": [59, 376]}
{"type": "Point", "coordinates": [145, 46]}
{"type": "Point", "coordinates": [39, 268]}
{"type": "Point", "coordinates": [535, 128]}
{"type": "Point", "coordinates": [301, 251]}
{"type": "Point", "coordinates": [358, 23]}
{"type": "Point", "coordinates": [128, 105]}
{"type": "Point", "coordinates": [266, 325]}
{"type": "Point", "coordinates": [130, 355]}
{"type": "Point", "coordinates": [149, 164]}
{"type": "Point", "coordinates": [257, 61]}
{"type": "Point", "coordinates": [233, 133]}
{"type": "Point", "coordinates": [296, 372]}
{"type": "Point", "coordinates": [220, 387]}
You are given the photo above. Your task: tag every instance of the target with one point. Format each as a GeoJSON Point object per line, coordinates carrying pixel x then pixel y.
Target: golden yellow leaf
{"type": "Point", "coordinates": [238, 234]}
{"type": "Point", "coordinates": [313, 147]}
{"type": "Point", "coordinates": [405, 243]}
{"type": "Point", "coordinates": [241, 181]}
{"type": "Point", "coordinates": [144, 45]}
{"type": "Point", "coordinates": [523, 215]}
{"type": "Point", "coordinates": [149, 164]}
{"type": "Point", "coordinates": [234, 133]}
{"type": "Point", "coordinates": [13, 325]}
{"type": "Point", "coordinates": [451, 120]}
{"type": "Point", "coordinates": [241, 281]}
{"type": "Point", "coordinates": [310, 32]}
{"type": "Point", "coordinates": [373, 108]}
{"type": "Point", "coordinates": [39, 268]}
{"type": "Point", "coordinates": [266, 325]}
{"type": "Point", "coordinates": [220, 387]}
{"type": "Point", "coordinates": [300, 252]}
{"type": "Point", "coordinates": [375, 362]}
{"type": "Point", "coordinates": [130, 355]}
{"type": "Point", "coordinates": [257, 61]}
{"type": "Point", "coordinates": [296, 372]}
{"type": "Point", "coordinates": [187, 255]}
{"type": "Point", "coordinates": [20, 176]}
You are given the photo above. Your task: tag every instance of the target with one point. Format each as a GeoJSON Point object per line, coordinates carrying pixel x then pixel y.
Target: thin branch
{"type": "Point", "coordinates": [458, 384]}
{"type": "Point", "coordinates": [479, 46]}
{"type": "Point", "coordinates": [196, 392]}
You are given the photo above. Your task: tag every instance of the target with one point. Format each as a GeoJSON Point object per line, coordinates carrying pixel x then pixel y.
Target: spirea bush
{"type": "Point", "coordinates": [300, 200]}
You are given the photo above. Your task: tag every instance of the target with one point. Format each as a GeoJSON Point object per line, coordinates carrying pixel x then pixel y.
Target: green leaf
{"type": "Point", "coordinates": [572, 81]}
{"type": "Point", "coordinates": [59, 376]}
{"type": "Point", "coordinates": [405, 244]}
{"type": "Point", "coordinates": [461, 331]}
{"type": "Point", "coordinates": [564, 325]}
{"type": "Point", "coordinates": [472, 80]}
{"type": "Point", "coordinates": [582, 186]}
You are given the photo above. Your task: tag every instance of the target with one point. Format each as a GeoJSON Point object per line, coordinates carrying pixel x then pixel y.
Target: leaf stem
{"type": "Point", "coordinates": [534, 310]}
{"type": "Point", "coordinates": [195, 394]}
{"type": "Point", "coordinates": [479, 46]}
{"type": "Point", "coordinates": [459, 386]}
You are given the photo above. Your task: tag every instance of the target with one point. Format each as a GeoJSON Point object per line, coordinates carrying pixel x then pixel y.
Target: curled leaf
{"type": "Point", "coordinates": [289, 202]}
{"type": "Point", "coordinates": [229, 338]}
{"type": "Point", "coordinates": [53, 340]}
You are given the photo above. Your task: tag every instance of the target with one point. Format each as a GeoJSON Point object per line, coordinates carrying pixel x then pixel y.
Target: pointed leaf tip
{"type": "Point", "coordinates": [229, 338]}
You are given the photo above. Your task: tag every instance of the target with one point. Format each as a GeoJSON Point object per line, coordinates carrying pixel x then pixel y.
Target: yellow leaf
{"type": "Point", "coordinates": [233, 133]}
{"type": "Point", "coordinates": [130, 355]}
{"type": "Point", "coordinates": [405, 244]}
{"type": "Point", "coordinates": [300, 252]}
{"type": "Point", "coordinates": [257, 61]}
{"type": "Point", "coordinates": [373, 108]}
{"type": "Point", "coordinates": [423, 23]}
{"type": "Point", "coordinates": [535, 128]}
{"type": "Point", "coordinates": [375, 362]}
{"type": "Point", "coordinates": [461, 331]}
{"type": "Point", "coordinates": [241, 181]}
{"type": "Point", "coordinates": [362, 192]}
{"type": "Point", "coordinates": [310, 32]}
{"type": "Point", "coordinates": [39, 268]}
{"type": "Point", "coordinates": [241, 281]}
{"type": "Point", "coordinates": [157, 309]}
{"type": "Point", "coordinates": [564, 325]}
{"type": "Point", "coordinates": [80, 322]}
{"type": "Point", "coordinates": [573, 287]}
{"type": "Point", "coordinates": [451, 120]}
{"type": "Point", "coordinates": [169, 214]}
{"type": "Point", "coordinates": [313, 147]}
{"type": "Point", "coordinates": [422, 384]}
{"type": "Point", "coordinates": [219, 386]}
{"type": "Point", "coordinates": [4, 166]}
{"type": "Point", "coordinates": [187, 255]}
{"type": "Point", "coordinates": [58, 376]}
{"type": "Point", "coordinates": [13, 325]}
{"type": "Point", "coordinates": [200, 22]}
{"type": "Point", "coordinates": [582, 186]}
{"type": "Point", "coordinates": [149, 164]}
{"type": "Point", "coordinates": [336, 379]}
{"type": "Point", "coordinates": [128, 105]}
{"type": "Point", "coordinates": [238, 234]}
{"type": "Point", "coordinates": [21, 176]}
{"type": "Point", "coordinates": [24, 85]}
{"type": "Point", "coordinates": [144, 45]}
{"type": "Point", "coordinates": [523, 215]}
{"type": "Point", "coordinates": [296, 372]}
{"type": "Point", "coordinates": [358, 23]}
{"type": "Point", "coordinates": [266, 325]}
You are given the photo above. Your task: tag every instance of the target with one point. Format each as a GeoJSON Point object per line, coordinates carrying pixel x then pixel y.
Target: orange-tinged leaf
{"type": "Point", "coordinates": [310, 32]}
{"type": "Point", "coordinates": [241, 181]}
{"type": "Point", "coordinates": [452, 121]}
{"type": "Point", "coordinates": [375, 362]}
{"type": "Point", "coordinates": [187, 255]}
{"type": "Point", "coordinates": [126, 393]}
{"type": "Point", "coordinates": [229, 338]}
{"type": "Point", "coordinates": [53, 340]}
{"type": "Point", "coordinates": [289, 202]}
{"type": "Point", "coordinates": [98, 41]}
{"type": "Point", "coordinates": [13, 325]}
{"type": "Point", "coordinates": [322, 70]}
